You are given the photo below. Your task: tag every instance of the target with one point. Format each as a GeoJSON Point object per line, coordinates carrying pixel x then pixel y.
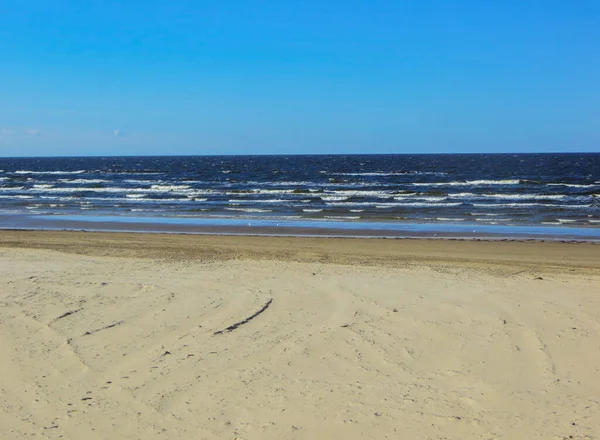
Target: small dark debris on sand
{"type": "Point", "coordinates": [64, 315]}
{"type": "Point", "coordinates": [91, 332]}
{"type": "Point", "coordinates": [245, 321]}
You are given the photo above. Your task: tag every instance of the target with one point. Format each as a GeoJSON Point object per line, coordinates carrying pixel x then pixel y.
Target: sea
{"type": "Point", "coordinates": [557, 194]}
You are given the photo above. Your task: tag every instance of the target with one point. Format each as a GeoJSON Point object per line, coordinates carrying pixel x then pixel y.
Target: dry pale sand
{"type": "Point", "coordinates": [112, 336]}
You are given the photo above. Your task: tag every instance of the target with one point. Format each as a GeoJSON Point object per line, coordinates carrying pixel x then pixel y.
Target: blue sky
{"type": "Point", "coordinates": [251, 77]}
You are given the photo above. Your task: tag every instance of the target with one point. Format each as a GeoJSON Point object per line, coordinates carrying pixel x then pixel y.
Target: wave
{"type": "Point", "coordinates": [261, 191]}
{"type": "Point", "coordinates": [312, 210]}
{"type": "Point", "coordinates": [342, 217]}
{"type": "Point", "coordinates": [169, 188]}
{"type": "Point", "coordinates": [574, 185]}
{"type": "Point", "coordinates": [334, 198]}
{"type": "Point", "coordinates": [360, 193]}
{"type": "Point", "coordinates": [528, 205]}
{"type": "Point", "coordinates": [11, 188]}
{"type": "Point", "coordinates": [79, 181]}
{"type": "Point", "coordinates": [495, 219]}
{"type": "Point", "coordinates": [316, 192]}
{"type": "Point", "coordinates": [246, 201]}
{"type": "Point", "coordinates": [113, 200]}
{"type": "Point", "coordinates": [509, 196]}
{"type": "Point", "coordinates": [181, 190]}
{"type": "Point", "coordinates": [87, 190]}
{"type": "Point", "coordinates": [383, 174]}
{"type": "Point", "coordinates": [249, 209]}
{"type": "Point", "coordinates": [416, 197]}
{"type": "Point", "coordinates": [141, 182]}
{"type": "Point", "coordinates": [127, 172]}
{"type": "Point", "coordinates": [389, 204]}
{"type": "Point", "coordinates": [470, 183]}
{"type": "Point", "coordinates": [304, 184]}
{"type": "Point", "coordinates": [416, 205]}
{"type": "Point", "coordinates": [49, 172]}
{"type": "Point", "coordinates": [20, 196]}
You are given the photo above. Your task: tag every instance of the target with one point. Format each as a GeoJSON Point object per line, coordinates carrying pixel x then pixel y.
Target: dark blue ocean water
{"type": "Point", "coordinates": [486, 189]}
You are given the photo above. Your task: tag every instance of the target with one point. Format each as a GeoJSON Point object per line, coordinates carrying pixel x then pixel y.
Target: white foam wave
{"type": "Point", "coordinates": [392, 204]}
{"type": "Point", "coordinates": [43, 186]}
{"type": "Point", "coordinates": [169, 188]}
{"type": "Point", "coordinates": [312, 210]}
{"type": "Point", "coordinates": [127, 173]}
{"type": "Point", "coordinates": [508, 196]}
{"type": "Point", "coordinates": [426, 199]}
{"type": "Point", "coordinates": [416, 205]}
{"type": "Point", "coordinates": [84, 181]}
{"type": "Point", "coordinates": [49, 172]}
{"type": "Point", "coordinates": [341, 217]}
{"type": "Point", "coordinates": [527, 205]}
{"type": "Point", "coordinates": [333, 198]}
{"type": "Point", "coordinates": [359, 193]}
{"type": "Point", "coordinates": [156, 189]}
{"type": "Point", "coordinates": [470, 183]}
{"type": "Point", "coordinates": [383, 174]}
{"type": "Point", "coordinates": [16, 197]}
{"type": "Point", "coordinates": [305, 184]}
{"type": "Point", "coordinates": [85, 189]}
{"type": "Point", "coordinates": [247, 201]}
{"type": "Point", "coordinates": [11, 188]}
{"type": "Point", "coordinates": [573, 185]}
{"type": "Point", "coordinates": [524, 196]}
{"type": "Point", "coordinates": [261, 191]}
{"type": "Point", "coordinates": [114, 200]}
{"type": "Point", "coordinates": [140, 181]}
{"type": "Point", "coordinates": [249, 209]}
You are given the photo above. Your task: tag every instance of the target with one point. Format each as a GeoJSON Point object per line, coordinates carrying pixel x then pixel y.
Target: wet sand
{"type": "Point", "coordinates": [126, 336]}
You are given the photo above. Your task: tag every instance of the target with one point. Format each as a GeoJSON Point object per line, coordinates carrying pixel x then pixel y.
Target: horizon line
{"type": "Point", "coordinates": [297, 154]}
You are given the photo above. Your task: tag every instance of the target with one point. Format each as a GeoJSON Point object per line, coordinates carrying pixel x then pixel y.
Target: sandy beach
{"type": "Point", "coordinates": [166, 336]}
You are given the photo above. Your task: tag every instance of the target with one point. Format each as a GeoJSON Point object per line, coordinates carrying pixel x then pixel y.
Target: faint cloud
{"type": "Point", "coordinates": [117, 133]}
{"type": "Point", "coordinates": [33, 132]}
{"type": "Point", "coordinates": [6, 131]}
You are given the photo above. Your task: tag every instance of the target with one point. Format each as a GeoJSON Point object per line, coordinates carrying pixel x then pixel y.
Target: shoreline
{"type": "Point", "coordinates": [291, 228]}
{"type": "Point", "coordinates": [313, 249]}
